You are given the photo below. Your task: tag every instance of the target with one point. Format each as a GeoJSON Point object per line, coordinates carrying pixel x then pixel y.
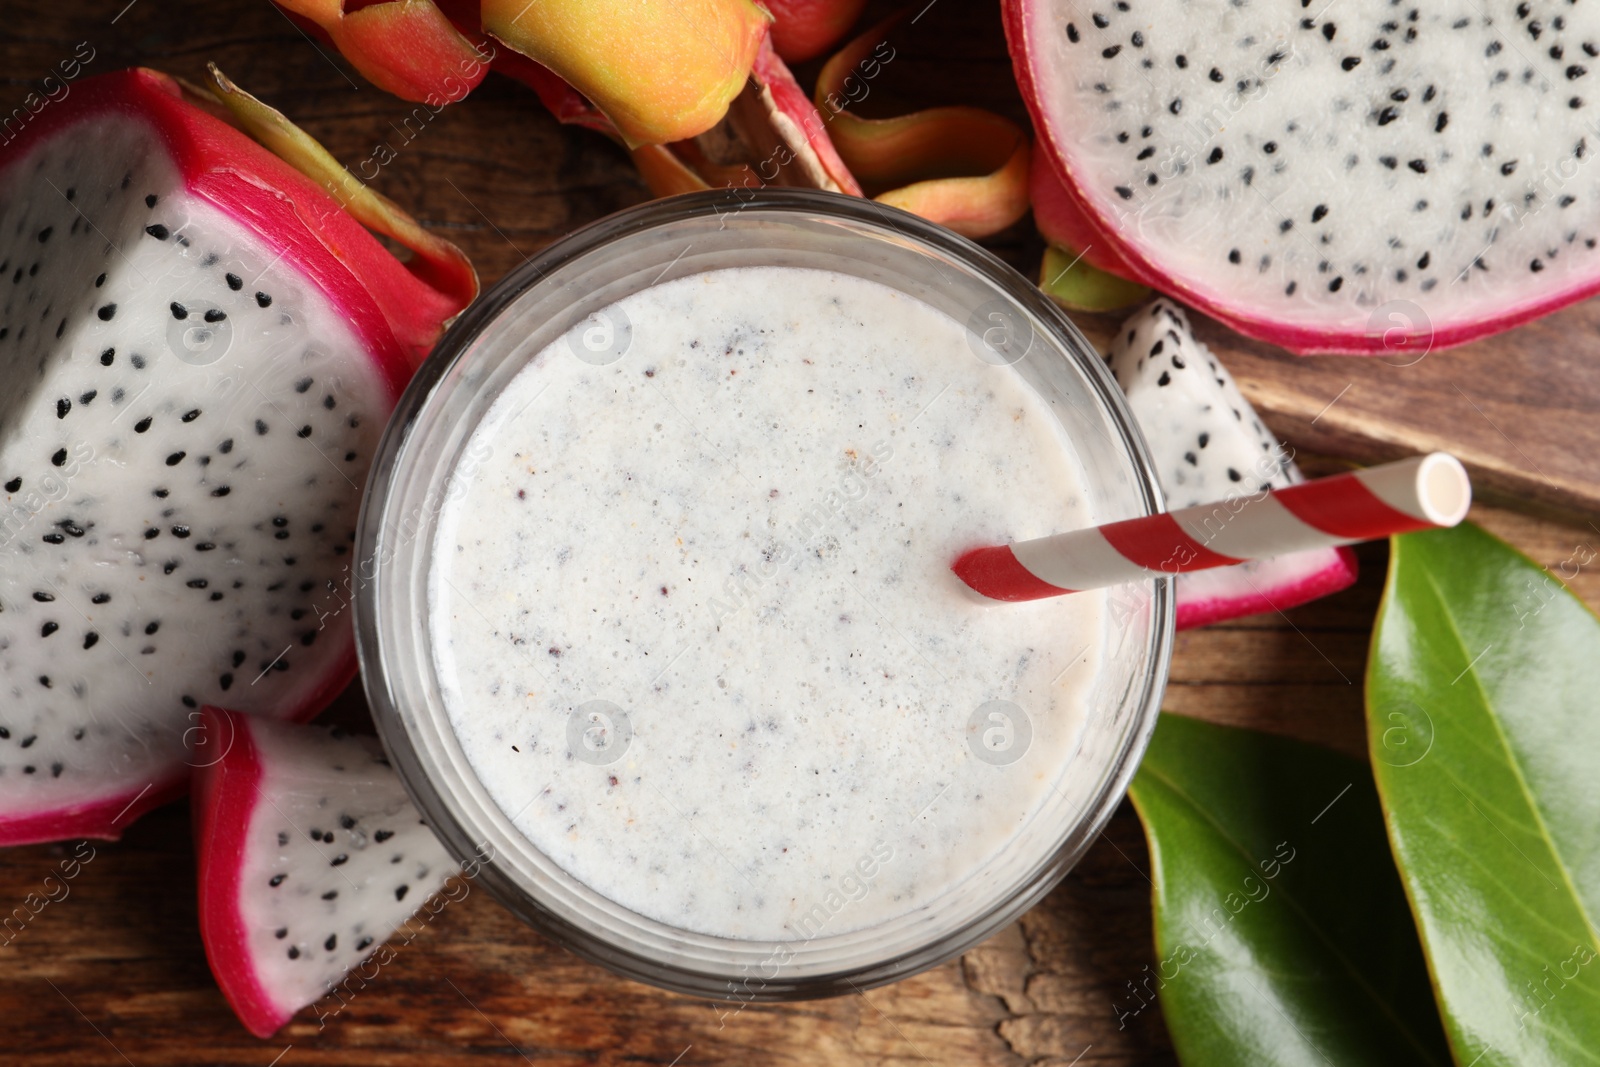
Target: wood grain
{"type": "Point", "coordinates": [115, 973]}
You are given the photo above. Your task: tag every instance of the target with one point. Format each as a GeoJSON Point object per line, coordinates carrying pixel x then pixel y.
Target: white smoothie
{"type": "Point", "coordinates": [734, 544]}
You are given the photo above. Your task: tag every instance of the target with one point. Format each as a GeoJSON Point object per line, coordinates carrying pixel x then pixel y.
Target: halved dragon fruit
{"type": "Point", "coordinates": [310, 855]}
{"type": "Point", "coordinates": [200, 350]}
{"type": "Point", "coordinates": [1210, 447]}
{"type": "Point", "coordinates": [1342, 177]}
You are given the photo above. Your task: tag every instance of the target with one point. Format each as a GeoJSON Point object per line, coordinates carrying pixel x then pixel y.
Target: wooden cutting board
{"type": "Point", "coordinates": [114, 973]}
{"type": "Point", "coordinates": [1521, 410]}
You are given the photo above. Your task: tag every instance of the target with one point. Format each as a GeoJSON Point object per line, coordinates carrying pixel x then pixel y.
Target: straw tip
{"type": "Point", "coordinates": [1443, 489]}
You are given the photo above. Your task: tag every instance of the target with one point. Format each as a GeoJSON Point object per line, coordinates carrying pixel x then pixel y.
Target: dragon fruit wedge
{"type": "Point", "coordinates": [200, 349]}
{"type": "Point", "coordinates": [310, 857]}
{"type": "Point", "coordinates": [1210, 447]}
{"type": "Point", "coordinates": [1332, 177]}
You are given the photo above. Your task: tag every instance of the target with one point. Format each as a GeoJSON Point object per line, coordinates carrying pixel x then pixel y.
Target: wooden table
{"type": "Point", "coordinates": [115, 973]}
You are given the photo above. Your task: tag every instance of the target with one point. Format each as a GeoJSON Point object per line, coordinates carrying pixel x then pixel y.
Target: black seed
{"type": "Point", "coordinates": [62, 407]}
{"type": "Point", "coordinates": [304, 431]}
{"type": "Point", "coordinates": [1100, 20]}
{"type": "Point", "coordinates": [1205, 439]}
{"type": "Point", "coordinates": [100, 598]}
{"type": "Point", "coordinates": [44, 680]}
{"type": "Point", "coordinates": [331, 943]}
{"type": "Point", "coordinates": [1176, 106]}
{"type": "Point", "coordinates": [283, 931]}
{"type": "Point", "coordinates": [170, 566]}
{"type": "Point", "coordinates": [49, 628]}
{"type": "Point", "coordinates": [1388, 115]}
{"type": "Point", "coordinates": [276, 880]}
{"type": "Point", "coordinates": [1575, 103]}
{"type": "Point", "coordinates": [1328, 31]}
{"type": "Point", "coordinates": [107, 357]}
{"type": "Point", "coordinates": [44, 234]}
{"type": "Point", "coordinates": [382, 835]}
{"type": "Point", "coordinates": [1215, 156]}
{"type": "Point", "coordinates": [13, 485]}
{"type": "Point", "coordinates": [215, 315]}
{"type": "Point", "coordinates": [1233, 475]}
{"type": "Point", "coordinates": [1335, 285]}
{"type": "Point", "coordinates": [90, 639]}
{"type": "Point", "coordinates": [330, 894]}
{"type": "Point", "coordinates": [1319, 212]}
{"type": "Point", "coordinates": [1389, 161]}
{"type": "Point", "coordinates": [1419, 166]}
{"type": "Point", "coordinates": [238, 658]}
{"type": "Point", "coordinates": [263, 299]}
{"type": "Point", "coordinates": [1111, 52]}
{"type": "Point", "coordinates": [294, 953]}
{"type": "Point", "coordinates": [137, 360]}
{"type": "Point", "coordinates": [1270, 147]}
{"type": "Point", "coordinates": [59, 458]}
{"type": "Point", "coordinates": [197, 583]}
{"type": "Point", "coordinates": [1286, 225]}
{"type": "Point", "coordinates": [178, 310]}
{"type": "Point", "coordinates": [142, 425]}
{"type": "Point", "coordinates": [52, 539]}
{"type": "Point", "coordinates": [106, 312]}
{"type": "Point", "coordinates": [158, 231]}
{"type": "Point", "coordinates": [400, 894]}
{"type": "Point", "coordinates": [205, 546]}
{"type": "Point", "coordinates": [1351, 62]}
{"type": "Point", "coordinates": [1233, 256]}
{"type": "Point", "coordinates": [340, 860]}
{"type": "Point", "coordinates": [1536, 266]}
{"type": "Point", "coordinates": [176, 458]}
{"type": "Point", "coordinates": [1165, 379]}
{"type": "Point", "coordinates": [261, 427]}
{"type": "Point", "coordinates": [1508, 168]}
{"type": "Point", "coordinates": [1194, 460]}
{"type": "Point", "coordinates": [1182, 61]}
{"type": "Point", "coordinates": [1072, 33]}
{"type": "Point", "coordinates": [226, 681]}
{"type": "Point", "coordinates": [363, 943]}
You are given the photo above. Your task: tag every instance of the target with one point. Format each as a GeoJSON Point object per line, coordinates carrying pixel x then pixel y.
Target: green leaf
{"type": "Point", "coordinates": [1483, 706]}
{"type": "Point", "coordinates": [1281, 928]}
{"type": "Point", "coordinates": [1070, 281]}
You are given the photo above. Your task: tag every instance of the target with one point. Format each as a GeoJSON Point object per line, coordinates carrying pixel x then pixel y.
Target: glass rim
{"type": "Point", "coordinates": [457, 341]}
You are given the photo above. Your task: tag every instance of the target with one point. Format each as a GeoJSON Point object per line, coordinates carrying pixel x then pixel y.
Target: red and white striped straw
{"type": "Point", "coordinates": [1420, 493]}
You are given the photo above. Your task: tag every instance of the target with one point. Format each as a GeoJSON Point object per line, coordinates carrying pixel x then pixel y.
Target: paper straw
{"type": "Point", "coordinates": [1421, 493]}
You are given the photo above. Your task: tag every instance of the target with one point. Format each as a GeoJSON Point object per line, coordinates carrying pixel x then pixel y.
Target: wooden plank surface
{"type": "Point", "coordinates": [115, 974]}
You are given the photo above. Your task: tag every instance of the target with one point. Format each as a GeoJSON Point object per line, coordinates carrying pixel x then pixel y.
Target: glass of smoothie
{"type": "Point", "coordinates": [655, 606]}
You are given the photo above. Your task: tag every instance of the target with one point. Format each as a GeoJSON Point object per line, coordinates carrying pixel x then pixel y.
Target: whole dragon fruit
{"type": "Point", "coordinates": [1343, 177]}
{"type": "Point", "coordinates": [201, 347]}
{"type": "Point", "coordinates": [1210, 447]}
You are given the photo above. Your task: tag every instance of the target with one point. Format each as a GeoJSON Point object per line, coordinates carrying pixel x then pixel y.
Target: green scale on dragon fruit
{"type": "Point", "coordinates": [194, 399]}
{"type": "Point", "coordinates": [1210, 447]}
{"type": "Point", "coordinates": [310, 856]}
{"type": "Point", "coordinates": [1329, 177]}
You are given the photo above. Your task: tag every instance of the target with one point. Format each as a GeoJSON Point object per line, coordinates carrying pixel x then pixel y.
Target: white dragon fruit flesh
{"type": "Point", "coordinates": [310, 855]}
{"type": "Point", "coordinates": [200, 350]}
{"type": "Point", "coordinates": [1349, 177]}
{"type": "Point", "coordinates": [1210, 446]}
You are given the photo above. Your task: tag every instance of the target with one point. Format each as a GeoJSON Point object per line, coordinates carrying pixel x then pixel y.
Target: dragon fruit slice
{"type": "Point", "coordinates": [200, 348]}
{"type": "Point", "coordinates": [310, 856]}
{"type": "Point", "coordinates": [1336, 178]}
{"type": "Point", "coordinates": [1210, 447]}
